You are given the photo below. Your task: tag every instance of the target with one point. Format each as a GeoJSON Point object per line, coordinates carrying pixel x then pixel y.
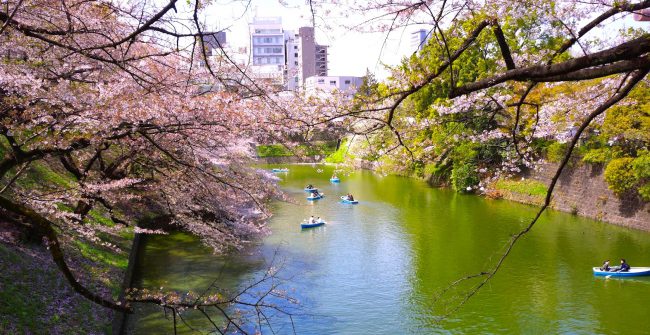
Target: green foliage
{"type": "Point", "coordinates": [463, 175]}
{"type": "Point", "coordinates": [641, 170]}
{"type": "Point", "coordinates": [644, 192]}
{"type": "Point", "coordinates": [597, 156]}
{"type": "Point", "coordinates": [555, 151]}
{"type": "Point", "coordinates": [307, 149]}
{"type": "Point", "coordinates": [630, 124]}
{"type": "Point", "coordinates": [317, 148]}
{"type": "Point", "coordinates": [619, 175]}
{"type": "Point", "coordinates": [641, 166]}
{"type": "Point", "coordinates": [273, 150]}
{"type": "Point", "coordinates": [431, 169]}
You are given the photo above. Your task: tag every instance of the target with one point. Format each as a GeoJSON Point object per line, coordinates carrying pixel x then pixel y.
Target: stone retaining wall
{"type": "Point", "coordinates": [582, 190]}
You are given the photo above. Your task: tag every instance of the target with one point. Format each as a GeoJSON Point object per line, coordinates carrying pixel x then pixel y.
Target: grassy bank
{"type": "Point", "coordinates": [524, 190]}
{"type": "Point", "coordinates": [322, 148]}
{"type": "Point", "coordinates": [35, 298]}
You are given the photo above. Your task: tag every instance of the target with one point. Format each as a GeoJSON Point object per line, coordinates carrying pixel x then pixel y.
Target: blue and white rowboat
{"type": "Point", "coordinates": [634, 272]}
{"type": "Point", "coordinates": [280, 170]}
{"type": "Point", "coordinates": [311, 225]}
{"type": "Point", "coordinates": [311, 189]}
{"type": "Point", "coordinates": [319, 196]}
{"type": "Point", "coordinates": [345, 200]}
{"type": "Point", "coordinates": [335, 180]}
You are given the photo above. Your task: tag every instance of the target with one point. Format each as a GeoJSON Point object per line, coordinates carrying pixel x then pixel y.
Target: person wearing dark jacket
{"type": "Point", "coordinates": [624, 266]}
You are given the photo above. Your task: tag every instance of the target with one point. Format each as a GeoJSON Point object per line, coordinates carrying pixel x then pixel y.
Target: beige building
{"type": "Point", "coordinates": [326, 85]}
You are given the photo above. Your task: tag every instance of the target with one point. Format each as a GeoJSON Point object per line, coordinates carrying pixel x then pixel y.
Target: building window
{"type": "Point", "coordinates": [268, 40]}
{"type": "Point", "coordinates": [296, 54]}
{"type": "Point", "coordinates": [347, 82]}
{"type": "Point", "coordinates": [321, 81]}
{"type": "Point", "coordinates": [333, 82]}
{"type": "Point", "coordinates": [295, 47]}
{"type": "Point", "coordinates": [296, 62]}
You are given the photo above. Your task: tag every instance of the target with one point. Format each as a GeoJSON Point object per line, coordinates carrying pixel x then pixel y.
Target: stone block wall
{"type": "Point", "coordinates": [582, 189]}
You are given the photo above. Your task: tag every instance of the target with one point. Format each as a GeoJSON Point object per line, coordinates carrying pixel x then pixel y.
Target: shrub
{"type": "Point", "coordinates": [597, 156]}
{"type": "Point", "coordinates": [641, 170]}
{"type": "Point", "coordinates": [644, 192]}
{"type": "Point", "coordinates": [641, 166]}
{"type": "Point", "coordinates": [619, 175]}
{"type": "Point", "coordinates": [555, 151]}
{"type": "Point", "coordinates": [463, 175]}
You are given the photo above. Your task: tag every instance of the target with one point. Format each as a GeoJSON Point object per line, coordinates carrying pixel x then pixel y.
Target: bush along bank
{"type": "Point", "coordinates": [610, 191]}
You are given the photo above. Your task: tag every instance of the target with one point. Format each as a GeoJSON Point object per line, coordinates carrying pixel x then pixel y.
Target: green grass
{"type": "Point", "coordinates": [98, 217]}
{"type": "Point", "coordinates": [28, 288]}
{"type": "Point", "coordinates": [273, 150]}
{"type": "Point", "coordinates": [340, 155]}
{"type": "Point", "coordinates": [305, 149]}
{"type": "Point", "coordinates": [317, 148]}
{"type": "Point", "coordinates": [3, 146]}
{"type": "Point", "coordinates": [527, 186]}
{"type": "Point", "coordinates": [102, 256]}
{"type": "Point", "coordinates": [38, 175]}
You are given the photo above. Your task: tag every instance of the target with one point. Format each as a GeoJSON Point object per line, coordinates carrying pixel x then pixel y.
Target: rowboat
{"type": "Point", "coordinates": [634, 272]}
{"type": "Point", "coordinates": [345, 200]}
{"type": "Point", "coordinates": [280, 170]}
{"type": "Point", "coordinates": [335, 180]}
{"type": "Point", "coordinates": [312, 225]}
{"type": "Point", "coordinates": [319, 196]}
{"type": "Point", "coordinates": [311, 189]}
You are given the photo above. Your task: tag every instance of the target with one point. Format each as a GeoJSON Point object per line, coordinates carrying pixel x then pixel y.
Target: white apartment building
{"type": "Point", "coordinates": [325, 85]}
{"type": "Point", "coordinates": [268, 49]}
{"type": "Point", "coordinates": [284, 57]}
{"type": "Point", "coordinates": [419, 39]}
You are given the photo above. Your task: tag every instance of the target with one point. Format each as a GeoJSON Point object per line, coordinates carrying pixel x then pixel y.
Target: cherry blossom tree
{"type": "Point", "coordinates": [520, 69]}
{"type": "Point", "coordinates": [107, 95]}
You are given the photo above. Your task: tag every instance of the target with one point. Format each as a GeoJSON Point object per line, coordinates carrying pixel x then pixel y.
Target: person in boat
{"type": "Point", "coordinates": [311, 219]}
{"type": "Point", "coordinates": [605, 266]}
{"type": "Point", "coordinates": [624, 266]}
{"type": "Point", "coordinates": [350, 197]}
{"type": "Point", "coordinates": [310, 186]}
{"type": "Point", "coordinates": [319, 220]}
{"type": "Point", "coordinates": [334, 176]}
{"type": "Point", "coordinates": [315, 194]}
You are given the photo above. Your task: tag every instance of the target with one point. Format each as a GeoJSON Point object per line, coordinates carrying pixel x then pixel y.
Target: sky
{"type": "Point", "coordinates": [350, 52]}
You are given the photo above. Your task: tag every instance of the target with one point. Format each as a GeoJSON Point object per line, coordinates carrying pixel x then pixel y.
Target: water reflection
{"type": "Point", "coordinates": [375, 268]}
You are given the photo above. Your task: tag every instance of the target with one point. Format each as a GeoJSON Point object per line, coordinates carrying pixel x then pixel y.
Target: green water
{"type": "Point", "coordinates": [376, 267]}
